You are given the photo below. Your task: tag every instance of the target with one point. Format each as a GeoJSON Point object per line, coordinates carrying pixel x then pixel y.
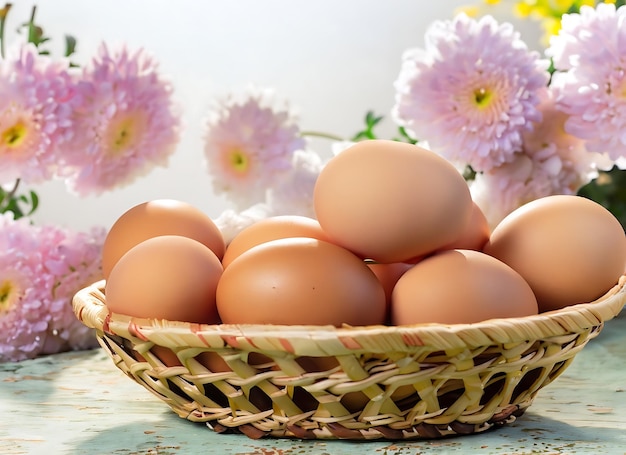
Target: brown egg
{"type": "Point", "coordinates": [476, 232]}
{"type": "Point", "coordinates": [388, 275]}
{"type": "Point", "coordinates": [391, 201]}
{"type": "Point", "coordinates": [568, 248]}
{"type": "Point", "coordinates": [460, 286]}
{"type": "Point", "coordinates": [166, 277]}
{"type": "Point", "coordinates": [355, 401]}
{"type": "Point", "coordinates": [159, 217]}
{"type": "Point", "coordinates": [300, 281]}
{"type": "Point", "coordinates": [310, 364]}
{"type": "Point", "coordinates": [166, 355]}
{"type": "Point", "coordinates": [272, 228]}
{"type": "Point", "coordinates": [213, 362]}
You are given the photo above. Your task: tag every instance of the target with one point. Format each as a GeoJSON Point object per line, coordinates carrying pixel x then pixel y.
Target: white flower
{"type": "Point", "coordinates": [293, 194]}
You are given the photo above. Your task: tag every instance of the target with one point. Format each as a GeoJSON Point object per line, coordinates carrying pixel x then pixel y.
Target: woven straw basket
{"type": "Point", "coordinates": [414, 382]}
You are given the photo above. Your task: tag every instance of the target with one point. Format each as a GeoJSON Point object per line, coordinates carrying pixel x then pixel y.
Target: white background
{"type": "Point", "coordinates": [332, 60]}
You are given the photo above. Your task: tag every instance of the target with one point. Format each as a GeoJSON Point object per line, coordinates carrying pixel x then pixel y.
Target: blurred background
{"type": "Point", "coordinates": [332, 61]}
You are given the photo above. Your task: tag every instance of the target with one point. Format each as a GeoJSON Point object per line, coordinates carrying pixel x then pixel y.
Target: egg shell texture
{"type": "Point", "coordinates": [388, 275]}
{"type": "Point", "coordinates": [300, 281]}
{"type": "Point", "coordinates": [159, 217]}
{"type": "Point", "coordinates": [166, 277]}
{"type": "Point", "coordinates": [570, 249]}
{"type": "Point", "coordinates": [476, 232]}
{"type": "Point", "coordinates": [272, 228]}
{"type": "Point", "coordinates": [391, 201]}
{"type": "Point", "coordinates": [460, 286]}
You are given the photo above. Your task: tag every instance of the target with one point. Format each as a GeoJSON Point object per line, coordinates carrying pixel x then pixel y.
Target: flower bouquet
{"type": "Point", "coordinates": [96, 127]}
{"type": "Point", "coordinates": [517, 124]}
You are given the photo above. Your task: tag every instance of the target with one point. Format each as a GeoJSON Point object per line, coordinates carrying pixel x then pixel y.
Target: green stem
{"type": "Point", "coordinates": [322, 135]}
{"type": "Point", "coordinates": [32, 30]}
{"type": "Point", "coordinates": [13, 190]}
{"type": "Point", "coordinates": [3, 17]}
{"type": "Point", "coordinates": [8, 196]}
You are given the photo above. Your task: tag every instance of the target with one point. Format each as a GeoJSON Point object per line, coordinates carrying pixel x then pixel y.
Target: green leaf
{"type": "Point", "coordinates": [469, 173]}
{"type": "Point", "coordinates": [619, 3]}
{"type": "Point", "coordinates": [20, 205]}
{"type": "Point", "coordinates": [35, 32]}
{"type": "Point", "coordinates": [551, 69]}
{"type": "Point", "coordinates": [371, 120]}
{"type": "Point", "coordinates": [70, 45]}
{"type": "Point", "coordinates": [34, 202]}
{"type": "Point", "coordinates": [609, 190]}
{"type": "Point", "coordinates": [404, 136]}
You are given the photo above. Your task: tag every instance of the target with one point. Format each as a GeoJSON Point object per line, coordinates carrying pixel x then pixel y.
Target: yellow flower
{"type": "Point", "coordinates": [469, 10]}
{"type": "Point", "coordinates": [547, 12]}
{"type": "Point", "coordinates": [542, 9]}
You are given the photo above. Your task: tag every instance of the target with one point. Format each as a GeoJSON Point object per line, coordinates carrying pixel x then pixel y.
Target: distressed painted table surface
{"type": "Point", "coordinates": [80, 403]}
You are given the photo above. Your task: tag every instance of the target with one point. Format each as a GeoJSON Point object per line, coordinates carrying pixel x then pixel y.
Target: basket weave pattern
{"type": "Point", "coordinates": [415, 382]}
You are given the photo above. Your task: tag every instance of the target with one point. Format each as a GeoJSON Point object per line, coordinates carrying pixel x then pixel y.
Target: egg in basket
{"type": "Point", "coordinates": [397, 313]}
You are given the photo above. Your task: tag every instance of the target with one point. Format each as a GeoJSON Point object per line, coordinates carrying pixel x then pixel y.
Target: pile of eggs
{"type": "Point", "coordinates": [397, 240]}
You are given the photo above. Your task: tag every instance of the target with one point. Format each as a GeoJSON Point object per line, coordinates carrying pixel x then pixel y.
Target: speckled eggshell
{"type": "Point", "coordinates": [166, 277]}
{"type": "Point", "coordinates": [391, 201]}
{"type": "Point", "coordinates": [272, 228]}
{"type": "Point", "coordinates": [159, 217]}
{"type": "Point", "coordinates": [300, 281]}
{"type": "Point", "coordinates": [570, 249]}
{"type": "Point", "coordinates": [460, 286]}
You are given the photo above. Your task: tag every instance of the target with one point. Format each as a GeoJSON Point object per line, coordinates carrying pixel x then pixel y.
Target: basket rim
{"type": "Point", "coordinates": [90, 308]}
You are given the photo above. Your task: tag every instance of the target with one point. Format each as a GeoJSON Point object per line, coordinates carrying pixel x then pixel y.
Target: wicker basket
{"type": "Point", "coordinates": [417, 382]}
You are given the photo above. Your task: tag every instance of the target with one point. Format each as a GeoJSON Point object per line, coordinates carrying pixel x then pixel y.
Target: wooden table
{"type": "Point", "coordinates": [80, 403]}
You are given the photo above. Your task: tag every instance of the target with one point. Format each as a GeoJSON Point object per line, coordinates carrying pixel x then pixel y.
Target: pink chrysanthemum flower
{"type": "Point", "coordinates": [588, 37]}
{"type": "Point", "coordinates": [552, 161]}
{"type": "Point", "coordinates": [124, 119]}
{"type": "Point", "coordinates": [591, 51]}
{"type": "Point", "coordinates": [249, 143]}
{"type": "Point", "coordinates": [74, 259]}
{"type": "Point", "coordinates": [34, 114]}
{"type": "Point", "coordinates": [472, 91]}
{"type": "Point", "coordinates": [41, 268]}
{"type": "Point", "coordinates": [24, 295]}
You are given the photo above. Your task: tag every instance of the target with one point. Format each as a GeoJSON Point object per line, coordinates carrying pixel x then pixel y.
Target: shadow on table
{"type": "Point", "coordinates": [171, 435]}
{"type": "Point", "coordinates": [30, 380]}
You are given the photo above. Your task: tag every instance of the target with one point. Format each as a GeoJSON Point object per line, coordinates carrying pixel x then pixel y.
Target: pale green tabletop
{"type": "Point", "coordinates": [80, 403]}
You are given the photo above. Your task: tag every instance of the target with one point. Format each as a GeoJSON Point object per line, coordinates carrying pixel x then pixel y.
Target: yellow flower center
{"type": "Point", "coordinates": [482, 97]}
{"type": "Point", "coordinates": [616, 85]}
{"type": "Point", "coordinates": [239, 161]}
{"type": "Point", "coordinates": [125, 131]}
{"type": "Point", "coordinates": [8, 295]}
{"type": "Point", "coordinates": [124, 135]}
{"type": "Point", "coordinates": [14, 135]}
